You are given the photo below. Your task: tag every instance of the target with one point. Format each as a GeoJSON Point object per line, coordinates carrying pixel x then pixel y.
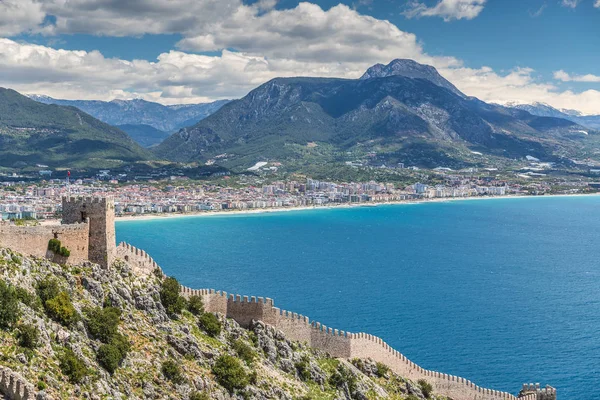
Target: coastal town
{"type": "Point", "coordinates": [42, 200]}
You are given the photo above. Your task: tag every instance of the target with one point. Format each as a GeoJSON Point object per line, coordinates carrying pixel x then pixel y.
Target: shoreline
{"type": "Point", "coordinates": [199, 214]}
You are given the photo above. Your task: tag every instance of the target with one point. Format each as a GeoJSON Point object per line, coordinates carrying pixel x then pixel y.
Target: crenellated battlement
{"type": "Point", "coordinates": [88, 200]}
{"type": "Point", "coordinates": [141, 261]}
{"type": "Point", "coordinates": [14, 386]}
{"type": "Point", "coordinates": [343, 344]}
{"type": "Point", "coordinates": [338, 343]}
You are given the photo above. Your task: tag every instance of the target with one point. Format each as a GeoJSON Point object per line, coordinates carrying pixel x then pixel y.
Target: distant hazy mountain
{"type": "Point", "coordinates": [34, 133]}
{"type": "Point", "coordinates": [402, 112]}
{"type": "Point", "coordinates": [140, 112]}
{"type": "Point", "coordinates": [546, 110]}
{"type": "Point", "coordinates": [145, 135]}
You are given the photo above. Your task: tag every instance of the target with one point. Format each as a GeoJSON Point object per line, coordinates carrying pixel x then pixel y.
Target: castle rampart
{"type": "Point", "coordinates": [341, 344]}
{"type": "Point", "coordinates": [14, 387]}
{"type": "Point", "coordinates": [33, 240]}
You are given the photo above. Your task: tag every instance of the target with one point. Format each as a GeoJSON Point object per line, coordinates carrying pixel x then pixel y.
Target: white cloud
{"type": "Point", "coordinates": [447, 9]}
{"type": "Point", "coordinates": [17, 16]}
{"type": "Point", "coordinates": [570, 3]}
{"type": "Point", "coordinates": [566, 77]}
{"type": "Point", "coordinates": [597, 4]}
{"type": "Point", "coordinates": [267, 43]}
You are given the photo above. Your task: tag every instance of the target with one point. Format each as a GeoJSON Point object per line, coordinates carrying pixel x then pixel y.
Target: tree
{"type": "Point", "coordinates": [102, 323]}
{"type": "Point", "coordinates": [195, 305]}
{"type": "Point", "coordinates": [28, 336]}
{"type": "Point", "coordinates": [210, 324]}
{"type": "Point", "coordinates": [170, 296]}
{"type": "Point", "coordinates": [172, 372]}
{"type": "Point", "coordinates": [72, 366]}
{"type": "Point", "coordinates": [230, 373]}
{"type": "Point", "coordinates": [61, 309]}
{"type": "Point", "coordinates": [9, 306]}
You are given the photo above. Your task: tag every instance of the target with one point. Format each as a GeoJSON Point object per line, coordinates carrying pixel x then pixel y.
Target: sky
{"type": "Point", "coordinates": [191, 51]}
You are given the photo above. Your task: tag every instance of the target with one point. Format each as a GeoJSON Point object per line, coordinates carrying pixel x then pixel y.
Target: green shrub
{"type": "Point", "coordinates": [230, 373]}
{"type": "Point", "coordinates": [112, 354]}
{"type": "Point", "coordinates": [28, 336]}
{"type": "Point", "coordinates": [426, 388]}
{"type": "Point", "coordinates": [64, 252]}
{"type": "Point", "coordinates": [343, 376]}
{"type": "Point", "coordinates": [244, 351]}
{"type": "Point", "coordinates": [195, 305]}
{"type": "Point", "coordinates": [102, 323]}
{"type": "Point", "coordinates": [381, 370]}
{"type": "Point", "coordinates": [9, 306]}
{"type": "Point", "coordinates": [72, 366]}
{"type": "Point", "coordinates": [29, 299]}
{"type": "Point", "coordinates": [199, 396]}
{"type": "Point", "coordinates": [41, 385]}
{"type": "Point", "coordinates": [170, 296]}
{"type": "Point", "coordinates": [172, 372]}
{"type": "Point", "coordinates": [48, 289]}
{"type": "Point", "coordinates": [303, 368]}
{"type": "Point", "coordinates": [61, 310]}
{"type": "Point", "coordinates": [210, 324]}
{"type": "Point", "coordinates": [54, 245]}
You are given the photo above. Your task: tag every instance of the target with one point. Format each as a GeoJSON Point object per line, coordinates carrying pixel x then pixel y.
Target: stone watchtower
{"type": "Point", "coordinates": [102, 245]}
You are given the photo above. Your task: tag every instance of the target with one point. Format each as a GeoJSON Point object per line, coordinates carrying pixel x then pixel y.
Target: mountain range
{"type": "Point", "coordinates": [401, 112]}
{"type": "Point", "coordinates": [546, 110]}
{"type": "Point", "coordinates": [146, 122]}
{"type": "Point", "coordinates": [33, 133]}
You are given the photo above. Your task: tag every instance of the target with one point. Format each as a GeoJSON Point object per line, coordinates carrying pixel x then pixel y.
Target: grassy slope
{"type": "Point", "coordinates": [33, 133]}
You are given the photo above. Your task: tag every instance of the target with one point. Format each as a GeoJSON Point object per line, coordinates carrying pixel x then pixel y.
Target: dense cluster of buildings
{"type": "Point", "coordinates": [44, 201]}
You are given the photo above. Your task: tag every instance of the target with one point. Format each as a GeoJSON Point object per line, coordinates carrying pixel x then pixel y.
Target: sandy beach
{"type": "Point", "coordinates": [329, 206]}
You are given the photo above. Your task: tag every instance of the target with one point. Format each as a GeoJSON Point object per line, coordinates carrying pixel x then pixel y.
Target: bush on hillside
{"type": "Point", "coordinates": [48, 289]}
{"type": "Point", "coordinates": [303, 368]}
{"type": "Point", "coordinates": [111, 355]}
{"type": "Point", "coordinates": [381, 370]}
{"type": "Point", "coordinates": [61, 309]}
{"type": "Point", "coordinates": [172, 372]}
{"type": "Point", "coordinates": [210, 324]}
{"type": "Point", "coordinates": [72, 366]}
{"type": "Point", "coordinates": [195, 305]}
{"type": "Point", "coordinates": [102, 323]}
{"type": "Point", "coordinates": [9, 306]}
{"type": "Point", "coordinates": [199, 396]}
{"type": "Point", "coordinates": [170, 296]}
{"type": "Point", "coordinates": [426, 388]}
{"type": "Point", "coordinates": [230, 373]}
{"type": "Point", "coordinates": [28, 336]}
{"type": "Point", "coordinates": [29, 299]}
{"type": "Point", "coordinates": [343, 376]}
{"type": "Point", "coordinates": [244, 351]}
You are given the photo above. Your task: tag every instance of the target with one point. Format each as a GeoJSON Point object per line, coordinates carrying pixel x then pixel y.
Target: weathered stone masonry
{"type": "Point", "coordinates": [33, 240]}
{"type": "Point", "coordinates": [87, 231]}
{"type": "Point", "coordinates": [14, 386]}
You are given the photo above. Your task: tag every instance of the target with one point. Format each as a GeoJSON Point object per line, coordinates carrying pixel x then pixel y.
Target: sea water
{"type": "Point", "coordinates": [501, 291]}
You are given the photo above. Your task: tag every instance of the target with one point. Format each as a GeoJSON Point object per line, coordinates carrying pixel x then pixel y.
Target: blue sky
{"type": "Point", "coordinates": [498, 50]}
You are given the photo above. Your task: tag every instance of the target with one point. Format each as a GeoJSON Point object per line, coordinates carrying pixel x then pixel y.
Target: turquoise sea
{"type": "Point", "coordinates": [501, 291]}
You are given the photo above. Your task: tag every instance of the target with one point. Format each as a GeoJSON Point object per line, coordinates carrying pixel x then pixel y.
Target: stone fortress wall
{"type": "Point", "coordinates": [14, 386]}
{"type": "Point", "coordinates": [341, 344]}
{"type": "Point", "coordinates": [87, 231]}
{"type": "Point", "coordinates": [33, 240]}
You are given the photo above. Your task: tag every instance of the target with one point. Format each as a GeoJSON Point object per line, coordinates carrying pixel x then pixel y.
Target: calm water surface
{"type": "Point", "coordinates": [499, 291]}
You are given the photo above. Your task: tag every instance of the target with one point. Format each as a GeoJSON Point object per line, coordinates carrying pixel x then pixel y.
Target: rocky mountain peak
{"type": "Point", "coordinates": [410, 69]}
